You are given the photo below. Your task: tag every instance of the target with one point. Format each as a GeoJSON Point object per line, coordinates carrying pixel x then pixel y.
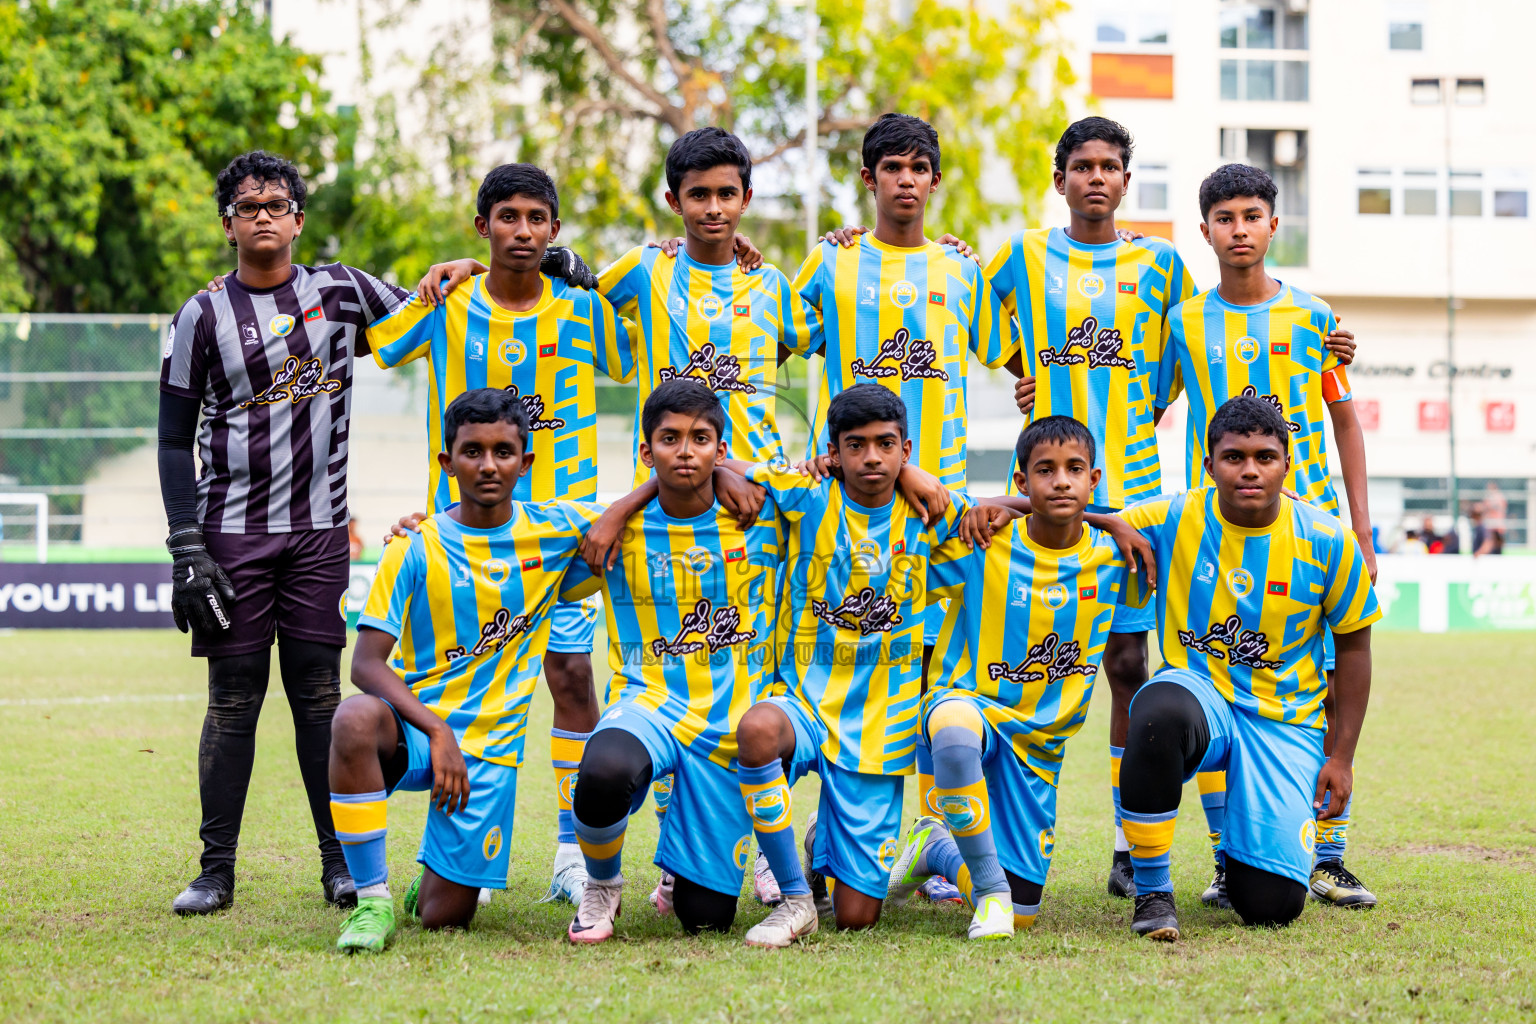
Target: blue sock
{"type": "Point", "coordinates": [962, 796]}
{"type": "Point", "coordinates": [1333, 835]}
{"type": "Point", "coordinates": [361, 827]}
{"type": "Point", "coordinates": [565, 750]}
{"type": "Point", "coordinates": [1213, 798]}
{"type": "Point", "coordinates": [1151, 837]}
{"type": "Point", "coordinates": [942, 857]}
{"type": "Point", "coordinates": [767, 797]}
{"type": "Point", "coordinates": [603, 849]}
{"type": "Point", "coordinates": [1115, 755]}
{"type": "Point", "coordinates": [925, 798]}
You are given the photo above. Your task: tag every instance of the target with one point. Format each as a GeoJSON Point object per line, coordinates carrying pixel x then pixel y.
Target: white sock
{"type": "Point", "coordinates": [1122, 845]}
{"type": "Point", "coordinates": [370, 891]}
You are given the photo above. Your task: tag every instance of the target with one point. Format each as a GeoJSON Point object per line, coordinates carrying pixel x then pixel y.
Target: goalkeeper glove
{"type": "Point", "coordinates": [201, 595]}
{"type": "Point", "coordinates": [561, 262]}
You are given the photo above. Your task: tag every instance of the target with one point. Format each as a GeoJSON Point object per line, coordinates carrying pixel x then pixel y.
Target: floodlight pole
{"type": "Point", "coordinates": [1448, 92]}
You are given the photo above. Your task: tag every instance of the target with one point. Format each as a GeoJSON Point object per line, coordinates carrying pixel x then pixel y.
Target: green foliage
{"type": "Point", "coordinates": [618, 80]}
{"type": "Point", "coordinates": [115, 115]}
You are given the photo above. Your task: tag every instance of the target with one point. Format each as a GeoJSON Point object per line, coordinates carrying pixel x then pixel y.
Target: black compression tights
{"type": "Point", "coordinates": [1166, 743]}
{"type": "Point", "coordinates": [237, 687]}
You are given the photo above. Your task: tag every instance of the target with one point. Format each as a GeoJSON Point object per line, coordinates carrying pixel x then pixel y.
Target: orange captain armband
{"type": "Point", "coordinates": [1335, 385]}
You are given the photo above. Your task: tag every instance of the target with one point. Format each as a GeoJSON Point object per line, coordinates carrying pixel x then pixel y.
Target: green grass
{"type": "Point", "coordinates": [98, 831]}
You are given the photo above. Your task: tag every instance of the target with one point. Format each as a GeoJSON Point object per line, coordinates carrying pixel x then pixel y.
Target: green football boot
{"type": "Point", "coordinates": [412, 895]}
{"type": "Point", "coordinates": [370, 927]}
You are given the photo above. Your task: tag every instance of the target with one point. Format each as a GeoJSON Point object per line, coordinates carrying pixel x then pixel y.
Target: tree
{"type": "Point", "coordinates": [115, 115]}
{"type": "Point", "coordinates": [618, 80]}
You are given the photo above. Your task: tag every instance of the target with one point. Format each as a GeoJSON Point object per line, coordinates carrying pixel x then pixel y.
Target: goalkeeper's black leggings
{"type": "Point", "coordinates": [237, 686]}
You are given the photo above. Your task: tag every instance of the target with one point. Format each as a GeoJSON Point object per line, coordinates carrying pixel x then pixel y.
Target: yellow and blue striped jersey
{"type": "Point", "coordinates": [1025, 630]}
{"type": "Point", "coordinates": [905, 318]}
{"type": "Point", "coordinates": [1248, 607]}
{"type": "Point", "coordinates": [720, 324]}
{"type": "Point", "coordinates": [851, 616]}
{"type": "Point", "coordinates": [689, 620]}
{"type": "Point", "coordinates": [469, 610]}
{"type": "Point", "coordinates": [1214, 350]}
{"type": "Point", "coordinates": [1091, 320]}
{"type": "Point", "coordinates": [547, 356]}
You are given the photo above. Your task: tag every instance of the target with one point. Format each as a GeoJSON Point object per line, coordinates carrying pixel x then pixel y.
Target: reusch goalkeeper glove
{"type": "Point", "coordinates": [201, 595]}
{"type": "Point", "coordinates": [561, 262]}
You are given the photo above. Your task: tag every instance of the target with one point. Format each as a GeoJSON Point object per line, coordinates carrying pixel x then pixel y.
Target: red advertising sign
{"type": "Point", "coordinates": [1369, 412]}
{"type": "Point", "coordinates": [1434, 416]}
{"type": "Point", "coordinates": [1499, 417]}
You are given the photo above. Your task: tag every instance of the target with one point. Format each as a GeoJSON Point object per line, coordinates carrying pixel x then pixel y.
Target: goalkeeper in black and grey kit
{"type": "Point", "coordinates": [260, 538]}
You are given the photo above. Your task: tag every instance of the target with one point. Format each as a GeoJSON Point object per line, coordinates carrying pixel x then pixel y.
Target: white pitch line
{"type": "Point", "coordinates": [146, 698]}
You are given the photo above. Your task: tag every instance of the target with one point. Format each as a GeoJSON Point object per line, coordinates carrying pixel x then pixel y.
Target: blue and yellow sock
{"type": "Point", "coordinates": [661, 796]}
{"type": "Point", "coordinates": [602, 849]}
{"type": "Point", "coordinates": [767, 797]}
{"type": "Point", "coordinates": [1115, 754]}
{"type": "Point", "coordinates": [1213, 797]}
{"type": "Point", "coordinates": [961, 792]}
{"type": "Point", "coordinates": [925, 794]}
{"type": "Point", "coordinates": [565, 750]}
{"type": "Point", "coordinates": [361, 821]}
{"type": "Point", "coordinates": [1151, 838]}
{"type": "Point", "coordinates": [1333, 836]}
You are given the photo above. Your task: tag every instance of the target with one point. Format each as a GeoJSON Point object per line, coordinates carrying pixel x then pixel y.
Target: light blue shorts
{"type": "Point", "coordinates": [706, 834]}
{"type": "Point", "coordinates": [933, 622]}
{"type": "Point", "coordinates": [470, 846]}
{"type": "Point", "coordinates": [1023, 805]}
{"type": "Point", "coordinates": [1271, 779]}
{"type": "Point", "coordinates": [859, 819]}
{"type": "Point", "coordinates": [573, 624]}
{"type": "Point", "coordinates": [1133, 620]}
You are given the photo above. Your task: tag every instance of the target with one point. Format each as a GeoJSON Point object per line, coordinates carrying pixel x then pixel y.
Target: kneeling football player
{"type": "Point", "coordinates": [1250, 583]}
{"type": "Point", "coordinates": [449, 649]}
{"type": "Point", "coordinates": [1028, 620]}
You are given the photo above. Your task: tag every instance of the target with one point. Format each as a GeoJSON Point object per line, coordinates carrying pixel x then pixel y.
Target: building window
{"type": "Point", "coordinates": [1264, 80]}
{"type": "Point", "coordinates": [1375, 200]}
{"type": "Point", "coordinates": [1133, 24]}
{"type": "Point", "coordinates": [1469, 92]}
{"type": "Point", "coordinates": [1466, 202]}
{"type": "Point", "coordinates": [1509, 203]}
{"type": "Point", "coordinates": [1424, 92]}
{"type": "Point", "coordinates": [1283, 154]}
{"type": "Point", "coordinates": [1151, 184]}
{"type": "Point", "coordinates": [1421, 202]}
{"type": "Point", "coordinates": [1405, 25]}
{"type": "Point", "coordinates": [1262, 26]}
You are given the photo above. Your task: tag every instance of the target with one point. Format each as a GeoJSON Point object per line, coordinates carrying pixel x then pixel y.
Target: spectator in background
{"type": "Point", "coordinates": [1431, 539]}
{"type": "Point", "coordinates": [354, 540]}
{"type": "Point", "coordinates": [1413, 544]}
{"type": "Point", "coordinates": [1495, 510]}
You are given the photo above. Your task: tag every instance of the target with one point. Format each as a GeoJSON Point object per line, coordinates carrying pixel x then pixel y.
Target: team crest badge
{"type": "Point", "coordinates": [769, 807]}
{"type": "Point", "coordinates": [903, 294]}
{"type": "Point", "coordinates": [342, 606]}
{"type": "Point", "coordinates": [1054, 596]}
{"type": "Point", "coordinates": [1309, 836]}
{"type": "Point", "coordinates": [1240, 582]}
{"type": "Point", "coordinates": [743, 851]}
{"type": "Point", "coordinates": [867, 555]}
{"type": "Point", "coordinates": [589, 607]}
{"type": "Point", "coordinates": [495, 571]}
{"type": "Point", "coordinates": [1090, 286]}
{"type": "Point", "coordinates": [960, 810]}
{"type": "Point", "coordinates": [280, 325]}
{"type": "Point", "coordinates": [170, 342]}
{"type": "Point", "coordinates": [709, 307]}
{"type": "Point", "coordinates": [568, 788]}
{"type": "Point", "coordinates": [512, 352]}
{"type": "Point", "coordinates": [698, 560]}
{"type": "Point", "coordinates": [492, 845]}
{"type": "Point", "coordinates": [888, 853]}
{"type": "Point", "coordinates": [1246, 349]}
{"type": "Point", "coordinates": [1047, 841]}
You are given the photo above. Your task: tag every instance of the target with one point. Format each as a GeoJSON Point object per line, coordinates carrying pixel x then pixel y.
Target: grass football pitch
{"type": "Point", "coordinates": [98, 831]}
